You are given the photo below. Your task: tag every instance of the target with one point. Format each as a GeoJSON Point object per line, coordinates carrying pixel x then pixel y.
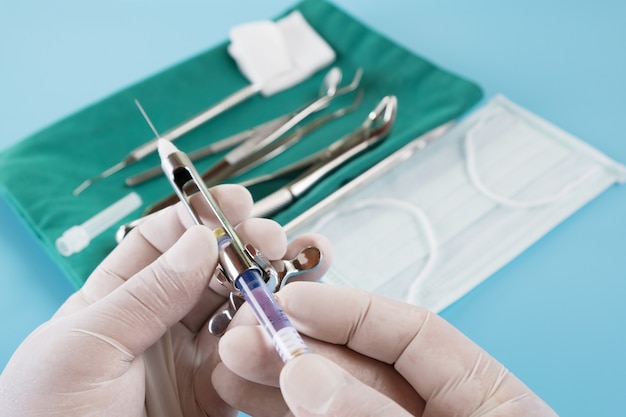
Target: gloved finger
{"type": "Point", "coordinates": [196, 388]}
{"type": "Point", "coordinates": [234, 201]}
{"type": "Point", "coordinates": [451, 373]}
{"type": "Point", "coordinates": [265, 235]}
{"type": "Point", "coordinates": [251, 398]}
{"type": "Point", "coordinates": [138, 312]}
{"type": "Point", "coordinates": [149, 240]}
{"type": "Point", "coordinates": [315, 386]}
{"type": "Point", "coordinates": [247, 352]}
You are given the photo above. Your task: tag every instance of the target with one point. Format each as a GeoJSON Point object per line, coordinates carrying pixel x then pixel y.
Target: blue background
{"type": "Point", "coordinates": [555, 316]}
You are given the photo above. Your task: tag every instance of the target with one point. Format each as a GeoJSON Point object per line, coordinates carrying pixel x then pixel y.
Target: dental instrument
{"type": "Point", "coordinates": [372, 131]}
{"type": "Point", "coordinates": [214, 174]}
{"type": "Point", "coordinates": [241, 267]}
{"type": "Point", "coordinates": [292, 51]}
{"type": "Point", "coordinates": [147, 148]}
{"type": "Point", "coordinates": [415, 146]}
{"type": "Point", "coordinates": [213, 148]}
{"type": "Point", "coordinates": [267, 152]}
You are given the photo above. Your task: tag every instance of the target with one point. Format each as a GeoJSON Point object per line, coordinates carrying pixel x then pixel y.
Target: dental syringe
{"type": "Point", "coordinates": [238, 269]}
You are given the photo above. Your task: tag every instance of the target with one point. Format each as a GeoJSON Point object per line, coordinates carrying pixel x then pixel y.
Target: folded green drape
{"type": "Point", "coordinates": [38, 174]}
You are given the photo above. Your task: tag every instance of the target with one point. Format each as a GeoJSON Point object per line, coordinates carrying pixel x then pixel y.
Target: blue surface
{"type": "Point", "coordinates": [555, 316]}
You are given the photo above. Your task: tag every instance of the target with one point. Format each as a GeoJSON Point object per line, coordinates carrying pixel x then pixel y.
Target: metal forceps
{"type": "Point", "coordinates": [215, 173]}
{"type": "Point", "coordinates": [374, 129]}
{"type": "Point", "coordinates": [276, 147]}
{"type": "Point", "coordinates": [218, 146]}
{"type": "Point", "coordinates": [187, 182]}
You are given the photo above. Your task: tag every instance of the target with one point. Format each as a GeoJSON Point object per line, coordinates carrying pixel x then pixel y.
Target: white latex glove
{"type": "Point", "coordinates": [133, 340]}
{"type": "Point", "coordinates": [373, 356]}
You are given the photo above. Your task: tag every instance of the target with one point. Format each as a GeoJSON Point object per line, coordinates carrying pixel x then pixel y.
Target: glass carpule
{"type": "Point", "coordinates": [249, 282]}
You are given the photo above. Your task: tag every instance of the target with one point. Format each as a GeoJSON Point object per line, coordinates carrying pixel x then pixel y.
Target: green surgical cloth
{"type": "Point", "coordinates": [38, 174]}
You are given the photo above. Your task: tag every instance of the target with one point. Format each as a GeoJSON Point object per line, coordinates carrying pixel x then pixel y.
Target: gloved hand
{"type": "Point", "coordinates": [373, 356]}
{"type": "Point", "coordinates": [133, 340]}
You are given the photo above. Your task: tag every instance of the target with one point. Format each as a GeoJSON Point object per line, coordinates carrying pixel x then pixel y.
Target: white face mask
{"type": "Point", "coordinates": [440, 222]}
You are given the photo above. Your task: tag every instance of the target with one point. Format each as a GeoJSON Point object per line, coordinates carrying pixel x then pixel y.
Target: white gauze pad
{"type": "Point", "coordinates": [278, 55]}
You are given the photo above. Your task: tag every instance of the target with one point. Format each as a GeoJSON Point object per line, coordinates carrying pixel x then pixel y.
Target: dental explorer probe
{"type": "Point", "coordinates": [238, 270]}
{"type": "Point", "coordinates": [147, 148]}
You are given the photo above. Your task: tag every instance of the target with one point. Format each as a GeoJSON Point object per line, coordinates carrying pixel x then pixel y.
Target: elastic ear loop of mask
{"type": "Point", "coordinates": [416, 212]}
{"type": "Point", "coordinates": [470, 160]}
{"type": "Point", "coordinates": [422, 219]}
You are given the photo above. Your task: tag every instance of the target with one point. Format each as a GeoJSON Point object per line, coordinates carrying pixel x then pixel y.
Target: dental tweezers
{"type": "Point", "coordinates": [372, 131]}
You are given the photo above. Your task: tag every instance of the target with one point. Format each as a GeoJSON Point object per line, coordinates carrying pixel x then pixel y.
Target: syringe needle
{"type": "Point", "coordinates": [120, 165]}
{"type": "Point", "coordinates": [147, 119]}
